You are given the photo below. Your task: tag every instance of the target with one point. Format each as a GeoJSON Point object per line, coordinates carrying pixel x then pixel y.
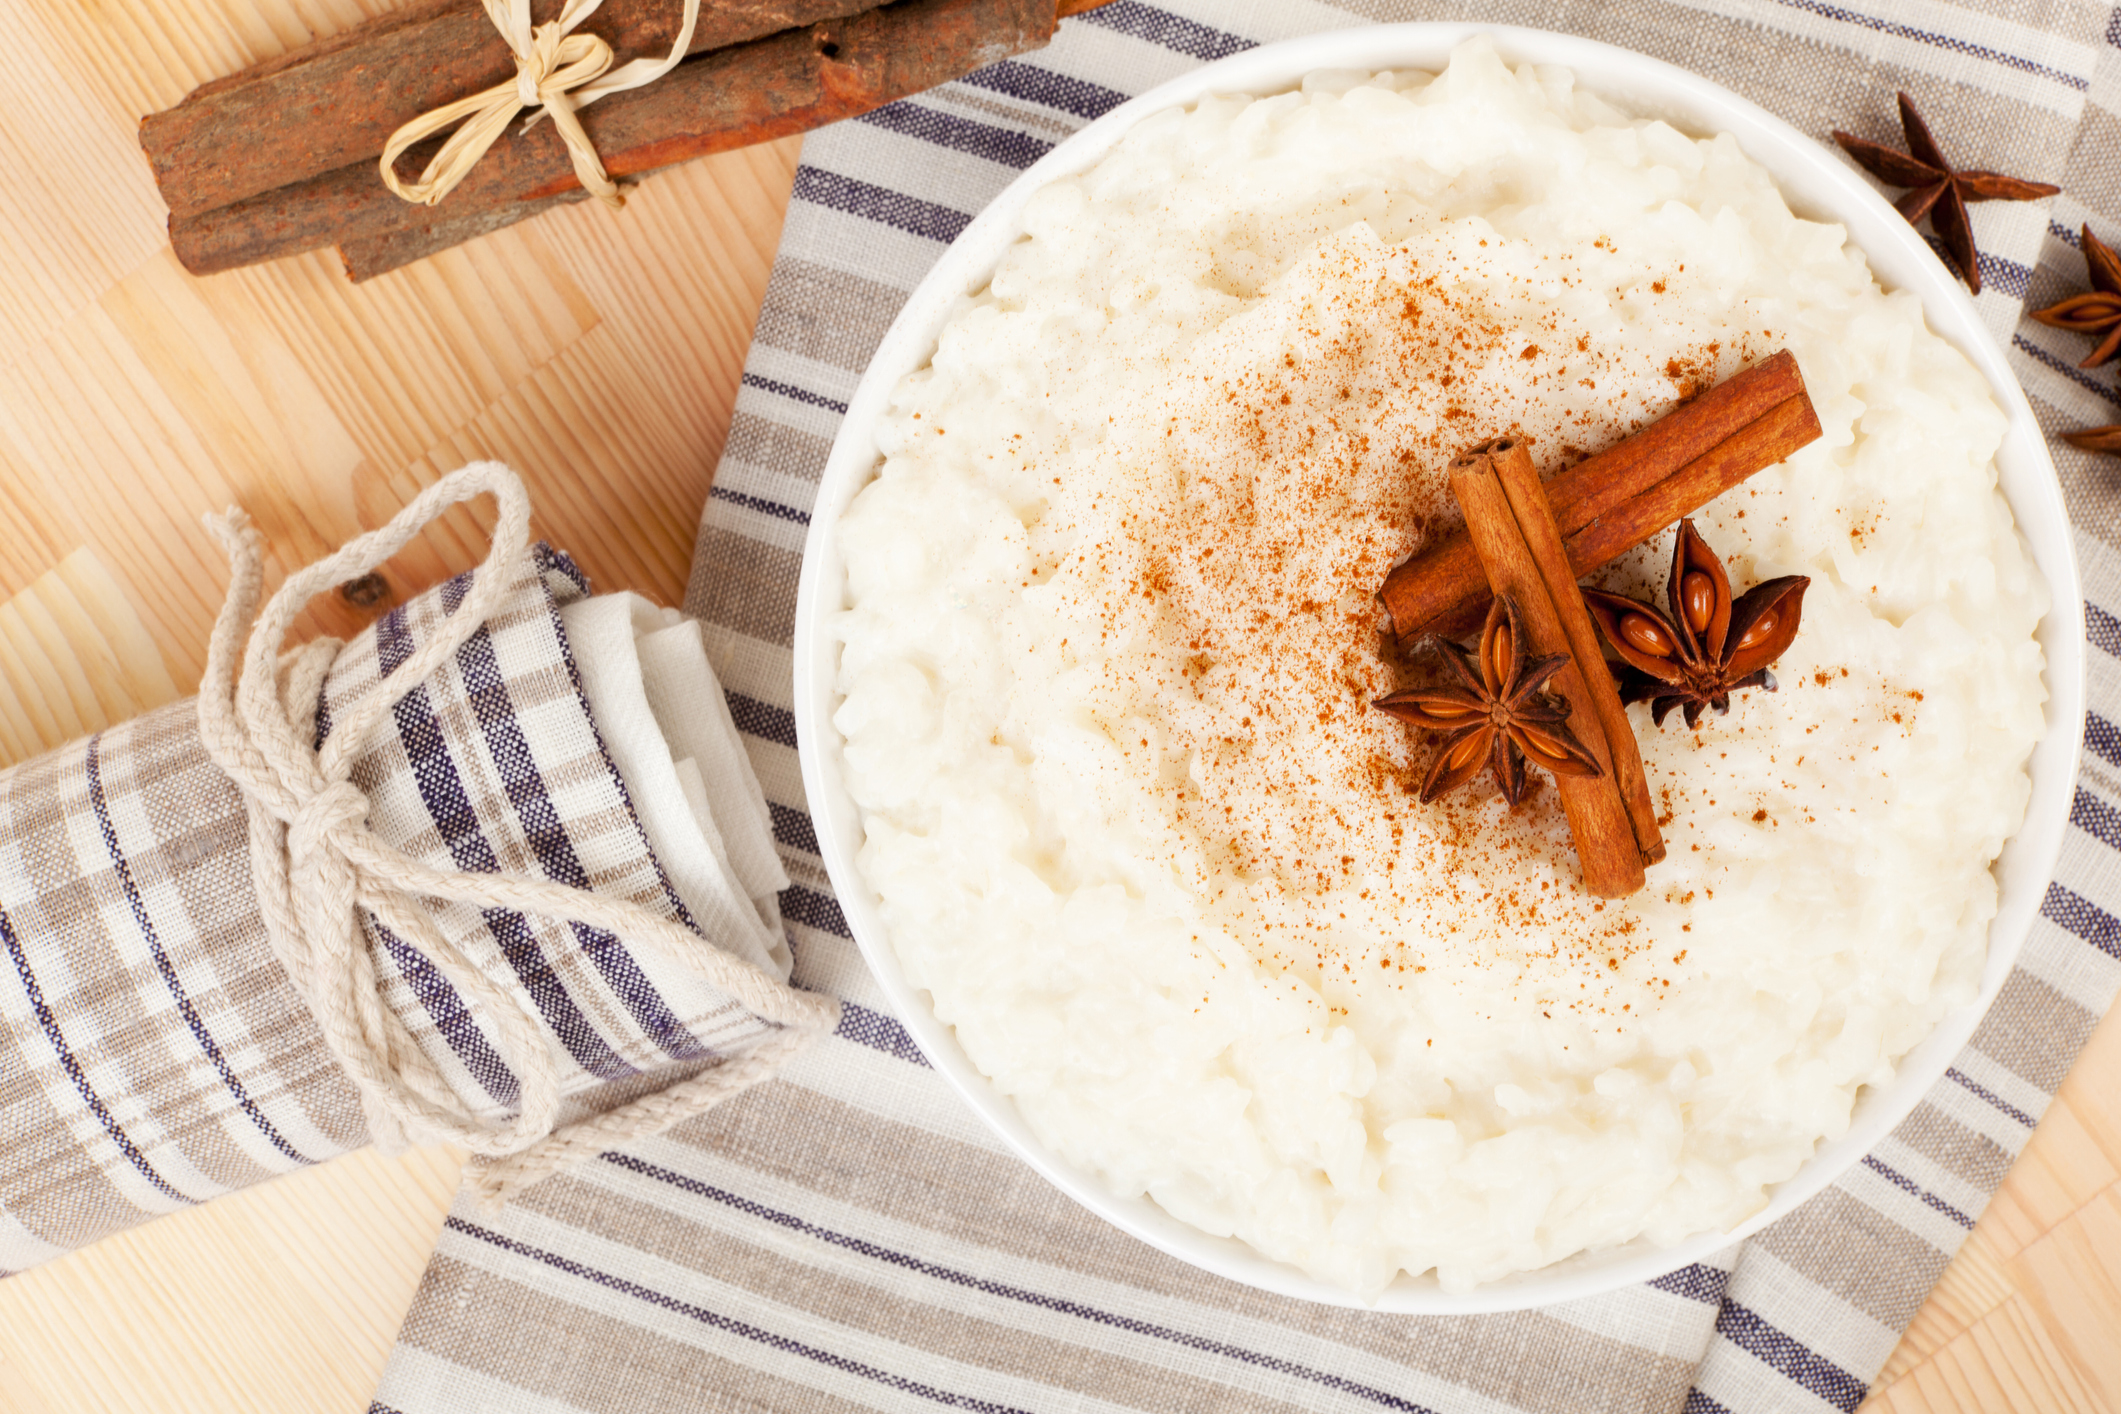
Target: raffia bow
{"type": "Point", "coordinates": [558, 73]}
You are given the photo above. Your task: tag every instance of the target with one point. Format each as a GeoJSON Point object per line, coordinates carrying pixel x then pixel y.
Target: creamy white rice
{"type": "Point", "coordinates": [1113, 642]}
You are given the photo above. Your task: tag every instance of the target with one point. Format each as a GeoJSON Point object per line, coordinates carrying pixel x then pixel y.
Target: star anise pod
{"type": "Point", "coordinates": [1936, 190]}
{"type": "Point", "coordinates": [2096, 439]}
{"type": "Point", "coordinates": [1709, 647]}
{"type": "Point", "coordinates": [2098, 312]}
{"type": "Point", "coordinates": [1496, 715]}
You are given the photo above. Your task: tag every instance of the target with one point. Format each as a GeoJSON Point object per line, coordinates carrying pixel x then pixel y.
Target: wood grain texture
{"type": "Point", "coordinates": [2028, 1315]}
{"type": "Point", "coordinates": [601, 357]}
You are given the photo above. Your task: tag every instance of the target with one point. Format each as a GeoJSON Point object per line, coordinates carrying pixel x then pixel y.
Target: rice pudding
{"type": "Point", "coordinates": [1113, 643]}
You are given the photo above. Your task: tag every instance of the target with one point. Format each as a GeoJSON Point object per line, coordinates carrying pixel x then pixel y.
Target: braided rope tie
{"type": "Point", "coordinates": [558, 73]}
{"type": "Point", "coordinates": [318, 867]}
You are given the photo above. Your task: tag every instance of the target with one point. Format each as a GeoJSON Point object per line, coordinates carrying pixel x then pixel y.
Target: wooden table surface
{"type": "Point", "coordinates": [599, 355]}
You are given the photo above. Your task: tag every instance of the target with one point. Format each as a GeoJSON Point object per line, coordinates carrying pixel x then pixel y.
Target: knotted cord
{"type": "Point", "coordinates": [318, 866]}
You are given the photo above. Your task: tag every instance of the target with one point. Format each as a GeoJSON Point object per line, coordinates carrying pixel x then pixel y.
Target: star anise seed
{"type": "Point", "coordinates": [1709, 646]}
{"type": "Point", "coordinates": [2097, 439]}
{"type": "Point", "coordinates": [2098, 312]}
{"type": "Point", "coordinates": [1497, 715]}
{"type": "Point", "coordinates": [1936, 190]}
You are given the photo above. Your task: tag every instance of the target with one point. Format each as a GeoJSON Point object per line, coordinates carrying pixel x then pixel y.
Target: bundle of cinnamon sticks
{"type": "Point", "coordinates": [1531, 542]}
{"type": "Point", "coordinates": [282, 158]}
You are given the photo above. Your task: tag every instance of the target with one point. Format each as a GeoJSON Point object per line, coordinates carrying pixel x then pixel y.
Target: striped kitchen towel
{"type": "Point", "coordinates": [849, 1236]}
{"type": "Point", "coordinates": [154, 1053]}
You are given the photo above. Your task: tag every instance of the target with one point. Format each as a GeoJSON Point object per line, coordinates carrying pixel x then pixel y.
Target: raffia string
{"type": "Point", "coordinates": [558, 73]}
{"type": "Point", "coordinates": [318, 866]}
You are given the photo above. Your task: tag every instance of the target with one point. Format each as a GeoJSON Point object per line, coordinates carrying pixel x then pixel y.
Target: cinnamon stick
{"type": "Point", "coordinates": [1763, 442]}
{"type": "Point", "coordinates": [1441, 589]}
{"type": "Point", "coordinates": [1535, 520]}
{"type": "Point", "coordinates": [379, 255]}
{"type": "Point", "coordinates": [329, 104]}
{"type": "Point", "coordinates": [768, 88]}
{"type": "Point", "coordinates": [1598, 818]}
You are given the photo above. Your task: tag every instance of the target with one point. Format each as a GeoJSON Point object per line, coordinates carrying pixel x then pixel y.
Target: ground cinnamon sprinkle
{"type": "Point", "coordinates": [1304, 449]}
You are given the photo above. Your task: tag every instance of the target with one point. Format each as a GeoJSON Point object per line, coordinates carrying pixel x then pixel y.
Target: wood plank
{"type": "Point", "coordinates": [2060, 1171]}
{"type": "Point", "coordinates": [284, 1297]}
{"type": "Point", "coordinates": [80, 658]}
{"type": "Point", "coordinates": [1975, 1284]}
{"type": "Point", "coordinates": [77, 215]}
{"type": "Point", "coordinates": [2072, 1277]}
{"type": "Point", "coordinates": [2005, 1363]}
{"type": "Point", "coordinates": [2069, 1284]}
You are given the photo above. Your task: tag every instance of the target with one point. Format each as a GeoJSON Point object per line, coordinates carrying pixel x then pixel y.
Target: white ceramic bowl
{"type": "Point", "coordinates": [1817, 185]}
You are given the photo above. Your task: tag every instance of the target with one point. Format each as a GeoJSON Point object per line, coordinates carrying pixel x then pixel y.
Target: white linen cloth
{"type": "Point", "coordinates": [654, 699]}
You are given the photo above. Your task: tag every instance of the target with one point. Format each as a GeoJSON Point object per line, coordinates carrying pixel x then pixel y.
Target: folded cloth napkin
{"type": "Point", "coordinates": [849, 1236]}
{"type": "Point", "coordinates": [663, 720]}
{"type": "Point", "coordinates": [155, 1053]}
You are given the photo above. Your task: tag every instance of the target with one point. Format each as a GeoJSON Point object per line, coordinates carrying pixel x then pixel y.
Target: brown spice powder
{"type": "Point", "coordinates": [1297, 455]}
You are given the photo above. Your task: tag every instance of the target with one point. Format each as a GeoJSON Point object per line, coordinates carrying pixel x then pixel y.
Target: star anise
{"type": "Point", "coordinates": [1709, 647]}
{"type": "Point", "coordinates": [1496, 714]}
{"type": "Point", "coordinates": [2098, 312]}
{"type": "Point", "coordinates": [1936, 190]}
{"type": "Point", "coordinates": [2096, 439]}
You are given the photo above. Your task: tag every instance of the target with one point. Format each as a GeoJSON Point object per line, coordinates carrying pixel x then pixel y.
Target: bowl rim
{"type": "Point", "coordinates": [1818, 186]}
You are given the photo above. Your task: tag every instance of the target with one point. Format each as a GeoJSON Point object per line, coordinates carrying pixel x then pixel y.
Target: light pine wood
{"type": "Point", "coordinates": [599, 356]}
{"type": "Point", "coordinates": [2028, 1315]}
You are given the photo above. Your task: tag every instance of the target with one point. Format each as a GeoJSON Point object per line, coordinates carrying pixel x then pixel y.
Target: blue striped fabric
{"type": "Point", "coordinates": [144, 919]}
{"type": "Point", "coordinates": [849, 1238]}
{"type": "Point", "coordinates": [153, 1053]}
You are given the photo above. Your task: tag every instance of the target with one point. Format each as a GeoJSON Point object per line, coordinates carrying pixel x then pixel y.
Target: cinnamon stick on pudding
{"type": "Point", "coordinates": [1614, 501]}
{"type": "Point", "coordinates": [1598, 816]}
{"type": "Point", "coordinates": [1535, 519]}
